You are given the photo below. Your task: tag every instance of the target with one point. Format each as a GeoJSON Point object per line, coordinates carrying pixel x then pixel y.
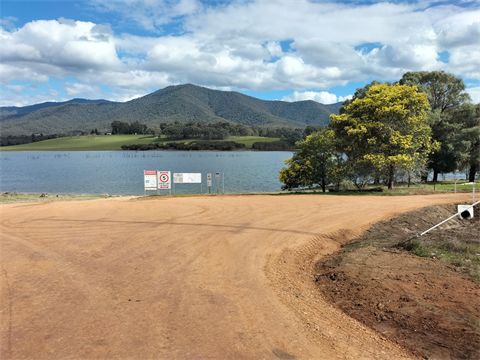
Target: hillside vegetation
{"type": "Point", "coordinates": [181, 103]}
{"type": "Point", "coordinates": [18, 110]}
{"type": "Point", "coordinates": [115, 142]}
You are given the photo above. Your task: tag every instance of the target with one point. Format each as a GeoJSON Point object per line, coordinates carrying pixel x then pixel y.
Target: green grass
{"type": "Point", "coordinates": [458, 253]}
{"type": "Point", "coordinates": [21, 198]}
{"type": "Point", "coordinates": [82, 143]}
{"type": "Point", "coordinates": [441, 186]}
{"type": "Point", "coordinates": [113, 142]}
{"type": "Point", "coordinates": [447, 186]}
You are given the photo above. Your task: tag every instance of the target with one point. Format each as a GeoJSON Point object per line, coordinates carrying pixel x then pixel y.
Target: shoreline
{"type": "Point", "coordinates": [19, 197]}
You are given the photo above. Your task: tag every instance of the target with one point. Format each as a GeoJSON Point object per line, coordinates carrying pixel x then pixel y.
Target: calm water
{"type": "Point", "coordinates": [121, 172]}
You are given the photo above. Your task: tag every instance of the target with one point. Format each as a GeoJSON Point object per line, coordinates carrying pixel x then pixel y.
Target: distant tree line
{"type": "Point", "coordinates": [272, 146]}
{"type": "Point", "coordinates": [11, 140]}
{"type": "Point", "coordinates": [119, 127]}
{"type": "Point", "coordinates": [214, 131]}
{"type": "Point", "coordinates": [204, 145]}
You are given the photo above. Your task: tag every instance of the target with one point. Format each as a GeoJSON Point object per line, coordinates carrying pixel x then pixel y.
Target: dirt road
{"type": "Point", "coordinates": [224, 277]}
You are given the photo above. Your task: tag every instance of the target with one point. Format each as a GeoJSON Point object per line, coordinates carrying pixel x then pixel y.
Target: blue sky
{"type": "Point", "coordinates": [273, 50]}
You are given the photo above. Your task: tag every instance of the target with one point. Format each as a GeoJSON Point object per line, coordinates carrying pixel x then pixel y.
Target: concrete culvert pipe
{"type": "Point", "coordinates": [465, 211]}
{"type": "Point", "coordinates": [466, 215]}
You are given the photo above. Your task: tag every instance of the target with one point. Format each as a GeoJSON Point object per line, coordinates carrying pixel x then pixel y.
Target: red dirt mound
{"type": "Point", "coordinates": [428, 305]}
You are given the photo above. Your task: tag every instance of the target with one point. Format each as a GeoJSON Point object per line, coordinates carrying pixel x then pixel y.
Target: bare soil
{"type": "Point", "coordinates": [425, 304]}
{"type": "Point", "coordinates": [206, 277]}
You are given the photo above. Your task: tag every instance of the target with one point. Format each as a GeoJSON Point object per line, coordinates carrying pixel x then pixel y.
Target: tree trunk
{"type": "Point", "coordinates": [435, 175]}
{"type": "Point", "coordinates": [391, 176]}
{"type": "Point", "coordinates": [409, 179]}
{"type": "Point", "coordinates": [473, 171]}
{"type": "Point", "coordinates": [424, 178]}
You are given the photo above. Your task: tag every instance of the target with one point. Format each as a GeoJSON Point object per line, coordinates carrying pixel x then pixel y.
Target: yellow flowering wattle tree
{"type": "Point", "coordinates": [384, 131]}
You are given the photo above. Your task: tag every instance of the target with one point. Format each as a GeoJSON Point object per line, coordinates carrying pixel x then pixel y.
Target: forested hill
{"type": "Point", "coordinates": [174, 103]}
{"type": "Point", "coordinates": [16, 110]}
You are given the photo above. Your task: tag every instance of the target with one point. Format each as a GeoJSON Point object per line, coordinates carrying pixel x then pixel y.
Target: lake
{"type": "Point", "coordinates": [121, 172]}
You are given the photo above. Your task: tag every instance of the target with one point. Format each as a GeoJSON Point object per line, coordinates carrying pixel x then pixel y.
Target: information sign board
{"type": "Point", "coordinates": [209, 176]}
{"type": "Point", "coordinates": [150, 179]}
{"type": "Point", "coordinates": [164, 180]}
{"type": "Point", "coordinates": [209, 182]}
{"type": "Point", "coordinates": [217, 175]}
{"type": "Point", "coordinates": [187, 178]}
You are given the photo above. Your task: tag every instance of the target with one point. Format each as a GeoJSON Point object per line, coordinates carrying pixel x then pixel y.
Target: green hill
{"type": "Point", "coordinates": [174, 103]}
{"type": "Point", "coordinates": [17, 110]}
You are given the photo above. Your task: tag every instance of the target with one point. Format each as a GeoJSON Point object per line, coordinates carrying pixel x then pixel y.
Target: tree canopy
{"type": "Point", "coordinates": [446, 95]}
{"type": "Point", "coordinates": [385, 130]}
{"type": "Point", "coordinates": [312, 164]}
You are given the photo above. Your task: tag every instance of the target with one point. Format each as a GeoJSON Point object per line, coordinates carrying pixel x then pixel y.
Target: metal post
{"type": "Point", "coordinates": [223, 180]}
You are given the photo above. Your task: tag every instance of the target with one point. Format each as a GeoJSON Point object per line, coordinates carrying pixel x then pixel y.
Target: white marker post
{"type": "Point", "coordinates": [209, 182]}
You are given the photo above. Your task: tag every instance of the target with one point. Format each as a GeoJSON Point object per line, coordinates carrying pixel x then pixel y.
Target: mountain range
{"type": "Point", "coordinates": [174, 103]}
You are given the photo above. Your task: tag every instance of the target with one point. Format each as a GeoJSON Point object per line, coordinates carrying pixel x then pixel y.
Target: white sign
{"type": "Point", "coordinates": [187, 178]}
{"type": "Point", "coordinates": [150, 179]}
{"type": "Point", "coordinates": [164, 180]}
{"type": "Point", "coordinates": [209, 182]}
{"type": "Point", "coordinates": [217, 175]}
{"type": "Point", "coordinates": [209, 176]}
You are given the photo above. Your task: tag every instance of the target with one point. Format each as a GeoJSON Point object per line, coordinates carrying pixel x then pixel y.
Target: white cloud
{"type": "Point", "coordinates": [14, 99]}
{"type": "Point", "coordinates": [237, 45]}
{"type": "Point", "coordinates": [9, 73]}
{"type": "Point", "coordinates": [76, 89]}
{"type": "Point", "coordinates": [16, 88]}
{"type": "Point", "coordinates": [8, 22]}
{"type": "Point", "coordinates": [322, 97]}
{"type": "Point", "coordinates": [474, 93]}
{"type": "Point", "coordinates": [465, 61]}
{"type": "Point", "coordinates": [147, 13]}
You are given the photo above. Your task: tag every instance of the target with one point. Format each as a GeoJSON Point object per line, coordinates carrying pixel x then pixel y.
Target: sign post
{"type": "Point", "coordinates": [164, 180]}
{"type": "Point", "coordinates": [149, 181]}
{"type": "Point", "coordinates": [187, 178]}
{"type": "Point", "coordinates": [209, 181]}
{"type": "Point", "coordinates": [217, 176]}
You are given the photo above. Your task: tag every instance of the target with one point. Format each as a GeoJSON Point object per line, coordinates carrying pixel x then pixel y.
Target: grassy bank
{"type": "Point", "coordinates": [114, 142]}
{"type": "Point", "coordinates": [8, 198]}
{"type": "Point", "coordinates": [446, 186]}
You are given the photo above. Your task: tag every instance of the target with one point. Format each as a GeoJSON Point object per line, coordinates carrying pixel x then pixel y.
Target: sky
{"type": "Point", "coordinates": [288, 50]}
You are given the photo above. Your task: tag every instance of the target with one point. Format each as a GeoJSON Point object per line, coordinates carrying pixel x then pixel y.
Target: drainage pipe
{"type": "Point", "coordinates": [444, 221]}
